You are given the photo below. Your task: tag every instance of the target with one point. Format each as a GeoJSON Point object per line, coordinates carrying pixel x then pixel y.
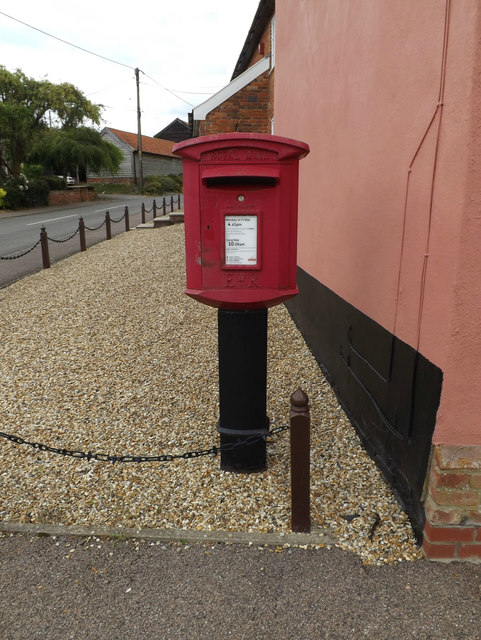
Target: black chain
{"type": "Point", "coordinates": [20, 255]}
{"type": "Point", "coordinates": [116, 221]}
{"type": "Point", "coordinates": [64, 239]}
{"type": "Point", "coordinates": [106, 457]}
{"type": "Point", "coordinates": [94, 228]}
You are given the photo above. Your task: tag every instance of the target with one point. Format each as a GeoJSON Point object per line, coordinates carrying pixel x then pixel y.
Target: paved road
{"type": "Point", "coordinates": [20, 231]}
{"type": "Point", "coordinates": [87, 589]}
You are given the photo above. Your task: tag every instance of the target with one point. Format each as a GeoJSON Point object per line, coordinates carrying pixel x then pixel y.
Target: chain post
{"type": "Point", "coordinates": [154, 208]}
{"type": "Point", "coordinates": [126, 217]}
{"type": "Point", "coordinates": [171, 204]}
{"type": "Point", "coordinates": [178, 201]}
{"type": "Point", "coordinates": [300, 462]}
{"type": "Point", "coordinates": [163, 206]}
{"type": "Point", "coordinates": [44, 245]}
{"type": "Point", "coordinates": [81, 229]}
{"type": "Point", "coordinates": [107, 225]}
{"type": "Point", "coordinates": [143, 213]}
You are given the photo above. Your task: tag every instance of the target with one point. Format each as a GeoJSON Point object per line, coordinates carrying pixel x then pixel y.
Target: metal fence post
{"type": "Point", "coordinates": [143, 213]}
{"type": "Point", "coordinates": [81, 230]}
{"type": "Point", "coordinates": [126, 216]}
{"type": "Point", "coordinates": [163, 206]}
{"type": "Point", "coordinates": [107, 225]}
{"type": "Point", "coordinates": [300, 463]}
{"type": "Point", "coordinates": [171, 204]}
{"type": "Point", "coordinates": [44, 245]}
{"type": "Point", "coordinates": [178, 201]}
{"type": "Point", "coordinates": [154, 208]}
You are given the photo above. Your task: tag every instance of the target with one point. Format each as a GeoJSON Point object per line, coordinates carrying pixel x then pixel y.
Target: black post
{"type": "Point", "coordinates": [171, 204]}
{"type": "Point", "coordinates": [126, 216]}
{"type": "Point", "coordinates": [242, 338]}
{"type": "Point", "coordinates": [178, 201]}
{"type": "Point", "coordinates": [154, 209]}
{"type": "Point", "coordinates": [163, 207]}
{"type": "Point", "coordinates": [143, 213]}
{"type": "Point", "coordinates": [107, 225]}
{"type": "Point", "coordinates": [44, 246]}
{"type": "Point", "coordinates": [81, 231]}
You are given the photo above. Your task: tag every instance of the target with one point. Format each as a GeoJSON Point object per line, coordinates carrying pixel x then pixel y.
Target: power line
{"type": "Point", "coordinates": [165, 89]}
{"type": "Point", "coordinates": [107, 88]}
{"type": "Point", "coordinates": [98, 55]}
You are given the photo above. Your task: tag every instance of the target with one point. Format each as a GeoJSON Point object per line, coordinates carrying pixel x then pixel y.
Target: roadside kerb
{"type": "Point", "coordinates": [320, 537]}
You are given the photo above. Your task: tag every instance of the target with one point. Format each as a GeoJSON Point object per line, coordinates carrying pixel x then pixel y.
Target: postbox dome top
{"type": "Point", "coordinates": [284, 147]}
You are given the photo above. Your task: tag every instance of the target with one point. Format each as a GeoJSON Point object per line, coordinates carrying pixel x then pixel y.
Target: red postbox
{"type": "Point", "coordinates": [240, 216]}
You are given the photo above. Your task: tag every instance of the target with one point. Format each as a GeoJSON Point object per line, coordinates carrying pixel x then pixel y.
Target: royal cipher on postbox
{"type": "Point", "coordinates": [240, 216]}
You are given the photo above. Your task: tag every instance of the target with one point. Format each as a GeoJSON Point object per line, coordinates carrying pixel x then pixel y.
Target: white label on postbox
{"type": "Point", "coordinates": [241, 240]}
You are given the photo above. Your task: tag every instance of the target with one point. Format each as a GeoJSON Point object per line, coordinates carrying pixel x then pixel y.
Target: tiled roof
{"type": "Point", "coordinates": [264, 13]}
{"type": "Point", "coordinates": [149, 145]}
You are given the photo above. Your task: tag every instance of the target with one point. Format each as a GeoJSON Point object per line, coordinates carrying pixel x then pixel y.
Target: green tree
{"type": "Point", "coordinates": [26, 106]}
{"type": "Point", "coordinates": [73, 150]}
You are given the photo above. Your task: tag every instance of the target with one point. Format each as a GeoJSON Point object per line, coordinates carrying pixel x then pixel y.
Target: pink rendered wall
{"type": "Point", "coordinates": [387, 94]}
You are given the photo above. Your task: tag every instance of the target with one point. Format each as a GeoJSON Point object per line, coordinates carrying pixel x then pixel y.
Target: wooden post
{"type": "Point", "coordinates": [143, 213]}
{"type": "Point", "coordinates": [126, 216]}
{"type": "Point", "coordinates": [44, 245]}
{"type": "Point", "coordinates": [300, 463]}
{"type": "Point", "coordinates": [107, 225]}
{"type": "Point", "coordinates": [81, 231]}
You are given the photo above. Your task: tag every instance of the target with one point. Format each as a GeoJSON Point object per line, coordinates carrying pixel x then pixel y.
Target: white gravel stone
{"type": "Point", "coordinates": [103, 352]}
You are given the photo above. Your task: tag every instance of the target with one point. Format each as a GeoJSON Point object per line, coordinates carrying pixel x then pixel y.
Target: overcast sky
{"type": "Point", "coordinates": [186, 50]}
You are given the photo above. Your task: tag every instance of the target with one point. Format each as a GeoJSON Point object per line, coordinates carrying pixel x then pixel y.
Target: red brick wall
{"type": "Point", "coordinates": [247, 110]}
{"type": "Point", "coordinates": [250, 109]}
{"type": "Point", "coordinates": [453, 505]}
{"type": "Point", "coordinates": [79, 194]}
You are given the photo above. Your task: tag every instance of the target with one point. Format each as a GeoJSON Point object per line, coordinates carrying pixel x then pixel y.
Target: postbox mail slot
{"type": "Point", "coordinates": [225, 175]}
{"type": "Point", "coordinates": [240, 181]}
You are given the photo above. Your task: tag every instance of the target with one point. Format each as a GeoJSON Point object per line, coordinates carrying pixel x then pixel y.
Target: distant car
{"type": "Point", "coordinates": [68, 179]}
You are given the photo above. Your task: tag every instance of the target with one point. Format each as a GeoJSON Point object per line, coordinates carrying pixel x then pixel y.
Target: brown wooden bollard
{"type": "Point", "coordinates": [126, 217]}
{"type": "Point", "coordinates": [81, 233]}
{"type": "Point", "coordinates": [44, 246]}
{"type": "Point", "coordinates": [300, 463]}
{"type": "Point", "coordinates": [108, 227]}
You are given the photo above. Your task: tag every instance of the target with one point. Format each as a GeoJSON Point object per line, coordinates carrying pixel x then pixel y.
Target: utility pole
{"type": "Point", "coordinates": [139, 131]}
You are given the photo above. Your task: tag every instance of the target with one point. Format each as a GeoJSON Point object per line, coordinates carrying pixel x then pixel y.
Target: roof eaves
{"type": "Point", "coordinates": [200, 112]}
{"type": "Point", "coordinates": [264, 13]}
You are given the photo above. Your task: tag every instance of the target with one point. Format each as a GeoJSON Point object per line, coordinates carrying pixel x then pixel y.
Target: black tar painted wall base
{"type": "Point", "coordinates": [388, 390]}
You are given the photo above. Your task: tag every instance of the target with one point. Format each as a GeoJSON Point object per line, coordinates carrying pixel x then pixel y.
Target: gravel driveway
{"type": "Point", "coordinates": [103, 352]}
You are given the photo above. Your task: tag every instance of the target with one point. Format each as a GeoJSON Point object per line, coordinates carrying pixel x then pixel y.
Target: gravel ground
{"type": "Point", "coordinates": [103, 352]}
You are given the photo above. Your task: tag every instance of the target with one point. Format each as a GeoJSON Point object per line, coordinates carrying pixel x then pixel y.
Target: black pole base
{"type": "Point", "coordinates": [243, 388]}
{"type": "Point", "coordinates": [249, 458]}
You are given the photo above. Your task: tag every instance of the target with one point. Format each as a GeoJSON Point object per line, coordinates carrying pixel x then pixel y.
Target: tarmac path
{"type": "Point", "coordinates": [55, 588]}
